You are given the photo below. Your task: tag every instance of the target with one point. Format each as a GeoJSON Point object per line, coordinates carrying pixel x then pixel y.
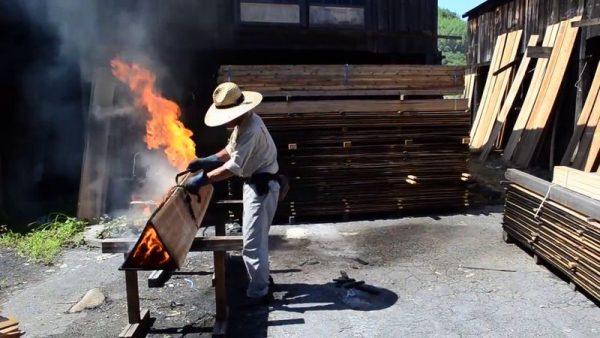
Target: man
{"type": "Point", "coordinates": [250, 154]}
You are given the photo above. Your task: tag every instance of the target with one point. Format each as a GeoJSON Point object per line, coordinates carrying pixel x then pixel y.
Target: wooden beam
{"type": "Point", "coordinates": [508, 66]}
{"type": "Point", "coordinates": [539, 52]}
{"type": "Point", "coordinates": [216, 243]}
{"type": "Point", "coordinates": [138, 329]}
{"type": "Point", "coordinates": [352, 106]}
{"type": "Point", "coordinates": [367, 92]}
{"type": "Point", "coordinates": [580, 203]}
{"type": "Point", "coordinates": [586, 23]}
{"type": "Point", "coordinates": [133, 296]}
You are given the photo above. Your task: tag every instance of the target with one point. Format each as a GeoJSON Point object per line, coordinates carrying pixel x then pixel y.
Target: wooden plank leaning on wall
{"type": "Point", "coordinates": [498, 87]}
{"type": "Point", "coordinates": [531, 96]}
{"type": "Point", "coordinates": [507, 107]}
{"type": "Point", "coordinates": [557, 66]}
{"type": "Point", "coordinates": [494, 66]}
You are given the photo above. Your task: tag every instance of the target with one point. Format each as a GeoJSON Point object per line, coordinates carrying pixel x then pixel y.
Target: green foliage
{"type": "Point", "coordinates": [450, 23]}
{"type": "Point", "coordinates": [45, 241]}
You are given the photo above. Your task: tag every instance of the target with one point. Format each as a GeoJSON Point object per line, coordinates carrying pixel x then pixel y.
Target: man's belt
{"type": "Point", "coordinates": [261, 181]}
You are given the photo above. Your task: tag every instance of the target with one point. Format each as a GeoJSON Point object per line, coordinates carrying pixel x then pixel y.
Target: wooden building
{"type": "Point", "coordinates": [492, 18]}
{"type": "Point", "coordinates": [187, 40]}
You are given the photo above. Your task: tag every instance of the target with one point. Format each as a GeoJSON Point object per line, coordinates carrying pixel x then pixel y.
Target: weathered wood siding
{"type": "Point", "coordinates": [533, 16]}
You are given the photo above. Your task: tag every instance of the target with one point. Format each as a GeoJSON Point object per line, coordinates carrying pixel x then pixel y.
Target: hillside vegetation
{"type": "Point", "coordinates": [454, 51]}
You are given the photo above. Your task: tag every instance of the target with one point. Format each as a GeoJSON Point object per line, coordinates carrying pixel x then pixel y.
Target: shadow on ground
{"type": "Point", "coordinates": [296, 298]}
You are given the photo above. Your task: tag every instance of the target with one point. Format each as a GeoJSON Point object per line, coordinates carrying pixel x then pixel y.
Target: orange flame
{"type": "Point", "coordinates": [163, 129]}
{"type": "Point", "coordinates": [150, 249]}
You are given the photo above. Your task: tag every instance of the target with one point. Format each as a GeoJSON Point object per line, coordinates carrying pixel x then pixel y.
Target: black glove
{"type": "Point", "coordinates": [204, 163]}
{"type": "Point", "coordinates": [194, 183]}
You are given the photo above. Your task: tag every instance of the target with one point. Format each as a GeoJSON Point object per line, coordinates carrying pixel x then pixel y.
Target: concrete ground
{"type": "Point", "coordinates": [436, 276]}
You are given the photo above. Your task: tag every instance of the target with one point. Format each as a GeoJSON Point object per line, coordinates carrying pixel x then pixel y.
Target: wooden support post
{"type": "Point", "coordinates": [139, 329]}
{"type": "Point", "coordinates": [133, 296]}
{"type": "Point", "coordinates": [220, 264]}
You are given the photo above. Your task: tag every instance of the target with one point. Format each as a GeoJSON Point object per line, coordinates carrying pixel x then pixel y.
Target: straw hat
{"type": "Point", "coordinates": [229, 103]}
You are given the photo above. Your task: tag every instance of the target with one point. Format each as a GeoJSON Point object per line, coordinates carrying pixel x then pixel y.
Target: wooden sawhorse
{"type": "Point", "coordinates": [139, 320]}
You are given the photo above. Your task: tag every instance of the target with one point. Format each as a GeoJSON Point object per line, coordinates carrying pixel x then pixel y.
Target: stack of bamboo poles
{"type": "Point", "coordinates": [559, 225]}
{"type": "Point", "coordinates": [349, 154]}
{"type": "Point", "coordinates": [538, 105]}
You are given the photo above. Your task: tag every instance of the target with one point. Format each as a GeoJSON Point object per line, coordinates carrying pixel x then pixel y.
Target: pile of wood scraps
{"type": "Point", "coordinates": [559, 225]}
{"type": "Point", "coordinates": [358, 152]}
{"type": "Point", "coordinates": [9, 327]}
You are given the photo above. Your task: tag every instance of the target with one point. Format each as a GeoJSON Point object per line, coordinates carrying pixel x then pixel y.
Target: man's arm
{"type": "Point", "coordinates": [219, 174]}
{"type": "Point", "coordinates": [223, 155]}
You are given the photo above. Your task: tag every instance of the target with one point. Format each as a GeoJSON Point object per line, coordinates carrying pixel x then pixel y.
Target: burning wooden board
{"type": "Point", "coordinates": [170, 231]}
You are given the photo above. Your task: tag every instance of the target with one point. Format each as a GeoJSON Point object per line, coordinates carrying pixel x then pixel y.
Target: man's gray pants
{"type": "Point", "coordinates": [258, 216]}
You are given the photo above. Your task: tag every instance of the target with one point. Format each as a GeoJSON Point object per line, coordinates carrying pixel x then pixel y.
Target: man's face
{"type": "Point", "coordinates": [236, 122]}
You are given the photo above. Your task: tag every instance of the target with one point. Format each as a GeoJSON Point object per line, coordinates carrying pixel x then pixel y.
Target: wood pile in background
{"type": "Point", "coordinates": [358, 150]}
{"type": "Point", "coordinates": [346, 80]}
{"type": "Point", "coordinates": [559, 225]}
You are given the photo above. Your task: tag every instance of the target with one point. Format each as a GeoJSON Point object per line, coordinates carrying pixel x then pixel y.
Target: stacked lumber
{"type": "Point", "coordinates": [587, 184]}
{"type": "Point", "coordinates": [505, 52]}
{"type": "Point", "coordinates": [349, 154]}
{"type": "Point", "coordinates": [584, 147]}
{"type": "Point", "coordinates": [559, 225]}
{"type": "Point", "coordinates": [346, 80]}
{"type": "Point", "coordinates": [542, 93]}
{"type": "Point", "coordinates": [9, 327]}
{"type": "Point", "coordinates": [470, 79]}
